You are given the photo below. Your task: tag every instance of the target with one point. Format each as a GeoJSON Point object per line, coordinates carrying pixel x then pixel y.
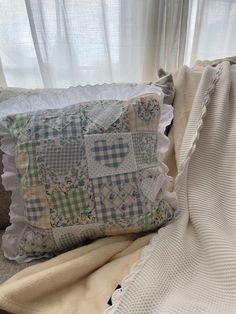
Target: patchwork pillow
{"type": "Point", "coordinates": [165, 83]}
{"type": "Point", "coordinates": [84, 171]}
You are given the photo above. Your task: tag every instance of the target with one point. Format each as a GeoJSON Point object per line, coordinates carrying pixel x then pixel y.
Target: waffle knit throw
{"type": "Point", "coordinates": [190, 265]}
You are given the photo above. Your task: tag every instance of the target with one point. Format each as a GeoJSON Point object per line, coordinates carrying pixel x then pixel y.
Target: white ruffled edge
{"type": "Point", "coordinates": [73, 95]}
{"type": "Point", "coordinates": [148, 249]}
{"type": "Point", "coordinates": [51, 100]}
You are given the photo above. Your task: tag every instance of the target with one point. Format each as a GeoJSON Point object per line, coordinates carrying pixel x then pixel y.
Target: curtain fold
{"type": "Point", "coordinates": [59, 43]}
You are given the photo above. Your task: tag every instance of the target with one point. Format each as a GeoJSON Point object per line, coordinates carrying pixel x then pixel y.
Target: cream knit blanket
{"type": "Point", "coordinates": [190, 266]}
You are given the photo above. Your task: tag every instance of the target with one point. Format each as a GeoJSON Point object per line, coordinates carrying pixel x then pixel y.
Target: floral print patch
{"type": "Point", "coordinates": [144, 113]}
{"type": "Point", "coordinates": [145, 149]}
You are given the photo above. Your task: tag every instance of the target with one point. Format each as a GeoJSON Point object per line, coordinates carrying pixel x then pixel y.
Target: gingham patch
{"type": "Point", "coordinates": [71, 204]}
{"type": "Point", "coordinates": [109, 154]}
{"type": "Point", "coordinates": [37, 210]}
{"type": "Point", "coordinates": [18, 126]}
{"type": "Point", "coordinates": [51, 124]}
{"type": "Point", "coordinates": [34, 207]}
{"type": "Point", "coordinates": [61, 155]}
{"type": "Point", "coordinates": [68, 240]}
{"type": "Point", "coordinates": [117, 197]}
{"type": "Point", "coordinates": [145, 149]}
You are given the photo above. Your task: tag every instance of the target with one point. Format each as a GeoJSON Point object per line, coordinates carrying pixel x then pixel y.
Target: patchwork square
{"type": "Point", "coordinates": [37, 211]}
{"type": "Point", "coordinates": [57, 123]}
{"type": "Point", "coordinates": [34, 208]}
{"type": "Point", "coordinates": [20, 126]}
{"type": "Point", "coordinates": [109, 154]}
{"type": "Point", "coordinates": [72, 236]}
{"type": "Point", "coordinates": [36, 243]}
{"type": "Point", "coordinates": [71, 204]}
{"type": "Point", "coordinates": [104, 113]}
{"type": "Point", "coordinates": [62, 164]}
{"type": "Point", "coordinates": [61, 155]}
{"type": "Point", "coordinates": [144, 113]}
{"type": "Point", "coordinates": [117, 197]}
{"type": "Point", "coordinates": [146, 149]}
{"type": "Point", "coordinates": [151, 181]}
{"type": "Point", "coordinates": [31, 175]}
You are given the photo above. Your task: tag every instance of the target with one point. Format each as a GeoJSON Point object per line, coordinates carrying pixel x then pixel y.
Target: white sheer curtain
{"type": "Point", "coordinates": [211, 30]}
{"type": "Point", "coordinates": [58, 43]}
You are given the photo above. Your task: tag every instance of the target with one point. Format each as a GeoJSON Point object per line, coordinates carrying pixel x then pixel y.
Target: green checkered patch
{"type": "Point", "coordinates": [31, 178]}
{"type": "Point", "coordinates": [71, 204]}
{"type": "Point", "coordinates": [16, 125]}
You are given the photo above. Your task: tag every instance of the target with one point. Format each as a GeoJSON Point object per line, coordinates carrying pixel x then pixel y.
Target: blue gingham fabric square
{"type": "Point", "coordinates": [33, 208]}
{"type": "Point", "coordinates": [109, 154]}
{"type": "Point", "coordinates": [56, 123]}
{"type": "Point", "coordinates": [117, 197]}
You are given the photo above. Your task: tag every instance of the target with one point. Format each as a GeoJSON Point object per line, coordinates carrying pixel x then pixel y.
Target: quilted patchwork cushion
{"type": "Point", "coordinates": [165, 83]}
{"type": "Point", "coordinates": [85, 171]}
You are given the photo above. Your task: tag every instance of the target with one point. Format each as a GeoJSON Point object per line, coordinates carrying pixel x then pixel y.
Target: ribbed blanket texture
{"type": "Point", "coordinates": [190, 266]}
